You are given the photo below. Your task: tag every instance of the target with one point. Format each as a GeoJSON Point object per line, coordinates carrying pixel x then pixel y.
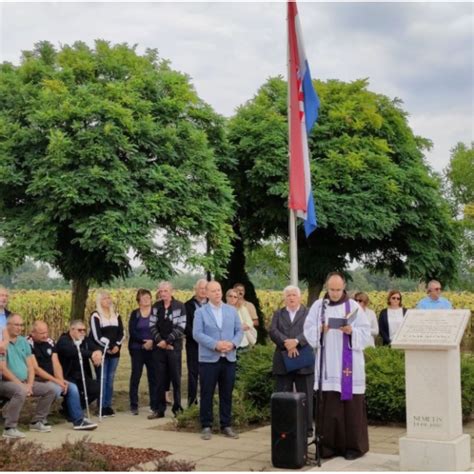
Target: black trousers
{"type": "Point", "coordinates": [140, 358]}
{"type": "Point", "coordinates": [302, 383]}
{"type": "Point", "coordinates": [221, 372]}
{"type": "Point", "coordinates": [168, 364]}
{"type": "Point", "coordinates": [192, 362]}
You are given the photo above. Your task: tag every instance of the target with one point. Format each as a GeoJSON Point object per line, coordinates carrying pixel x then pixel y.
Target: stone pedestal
{"type": "Point", "coordinates": [434, 440]}
{"type": "Point", "coordinates": [428, 455]}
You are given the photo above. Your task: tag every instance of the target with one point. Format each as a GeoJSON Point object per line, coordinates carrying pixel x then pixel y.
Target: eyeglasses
{"type": "Point", "coordinates": [360, 301]}
{"type": "Point", "coordinates": [80, 330]}
{"type": "Point", "coordinates": [395, 298]}
{"type": "Point", "coordinates": [436, 289]}
{"type": "Point", "coordinates": [232, 296]}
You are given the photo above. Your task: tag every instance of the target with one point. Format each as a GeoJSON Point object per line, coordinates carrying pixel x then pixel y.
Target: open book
{"type": "Point", "coordinates": [336, 323]}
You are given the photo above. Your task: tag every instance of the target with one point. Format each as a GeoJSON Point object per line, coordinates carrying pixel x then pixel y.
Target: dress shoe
{"type": "Point", "coordinates": [206, 434]}
{"type": "Point", "coordinates": [228, 432]}
{"type": "Point", "coordinates": [177, 411]}
{"type": "Point", "coordinates": [351, 455]}
{"type": "Point", "coordinates": [155, 415]}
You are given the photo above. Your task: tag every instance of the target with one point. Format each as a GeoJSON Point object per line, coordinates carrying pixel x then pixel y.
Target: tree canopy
{"type": "Point", "coordinates": [460, 175]}
{"type": "Point", "coordinates": [107, 154]}
{"type": "Point", "coordinates": [376, 199]}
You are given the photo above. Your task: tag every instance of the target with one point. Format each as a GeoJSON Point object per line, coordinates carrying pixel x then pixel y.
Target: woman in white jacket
{"type": "Point", "coordinates": [250, 333]}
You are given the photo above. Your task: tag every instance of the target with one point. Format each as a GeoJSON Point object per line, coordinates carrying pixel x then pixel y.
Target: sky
{"type": "Point", "coordinates": [421, 53]}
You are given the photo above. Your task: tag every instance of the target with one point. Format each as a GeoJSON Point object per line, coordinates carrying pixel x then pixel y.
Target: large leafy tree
{"type": "Point", "coordinates": [377, 200]}
{"type": "Point", "coordinates": [460, 175]}
{"type": "Point", "coordinates": [107, 154]}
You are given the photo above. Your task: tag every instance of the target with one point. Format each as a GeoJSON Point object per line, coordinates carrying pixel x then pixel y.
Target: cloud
{"type": "Point", "coordinates": [420, 52]}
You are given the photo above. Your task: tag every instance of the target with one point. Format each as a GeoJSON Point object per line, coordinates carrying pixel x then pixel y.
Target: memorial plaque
{"type": "Point", "coordinates": [431, 329]}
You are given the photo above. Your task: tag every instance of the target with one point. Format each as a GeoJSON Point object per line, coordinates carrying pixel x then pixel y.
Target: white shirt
{"type": "Point", "coordinates": [217, 312]}
{"type": "Point", "coordinates": [374, 326]}
{"type": "Point", "coordinates": [332, 362]}
{"type": "Point", "coordinates": [292, 313]}
{"type": "Point", "coordinates": [395, 319]}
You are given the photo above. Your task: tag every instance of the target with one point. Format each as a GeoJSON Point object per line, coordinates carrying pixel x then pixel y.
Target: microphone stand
{"type": "Point", "coordinates": [318, 437]}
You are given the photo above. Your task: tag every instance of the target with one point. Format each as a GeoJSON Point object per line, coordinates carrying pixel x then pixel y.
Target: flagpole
{"type": "Point", "coordinates": [292, 213]}
{"type": "Point", "coordinates": [293, 249]}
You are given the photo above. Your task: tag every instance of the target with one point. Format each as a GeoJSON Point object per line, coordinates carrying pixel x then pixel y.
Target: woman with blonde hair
{"type": "Point", "coordinates": [250, 333]}
{"type": "Point", "coordinates": [363, 300]}
{"type": "Point", "coordinates": [106, 325]}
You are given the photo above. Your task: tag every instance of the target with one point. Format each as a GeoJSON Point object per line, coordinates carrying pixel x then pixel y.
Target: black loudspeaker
{"type": "Point", "coordinates": [289, 430]}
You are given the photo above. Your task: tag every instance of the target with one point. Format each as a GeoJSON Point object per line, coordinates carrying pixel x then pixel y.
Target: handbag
{"type": "Point", "coordinates": [305, 358]}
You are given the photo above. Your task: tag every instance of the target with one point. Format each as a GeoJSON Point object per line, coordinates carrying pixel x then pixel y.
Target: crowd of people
{"type": "Point", "coordinates": [80, 367]}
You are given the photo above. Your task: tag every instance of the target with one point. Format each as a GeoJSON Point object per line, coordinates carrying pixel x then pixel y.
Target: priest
{"type": "Point", "coordinates": [339, 329]}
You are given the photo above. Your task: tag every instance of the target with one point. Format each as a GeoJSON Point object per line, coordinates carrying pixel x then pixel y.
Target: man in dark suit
{"type": "Point", "coordinates": [286, 331]}
{"type": "Point", "coordinates": [218, 331]}
{"type": "Point", "coordinates": [192, 354]}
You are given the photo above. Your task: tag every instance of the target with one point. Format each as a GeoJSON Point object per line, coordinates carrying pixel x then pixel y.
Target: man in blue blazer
{"type": "Point", "coordinates": [218, 331]}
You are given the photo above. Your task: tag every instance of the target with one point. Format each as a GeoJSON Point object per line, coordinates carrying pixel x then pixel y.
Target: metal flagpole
{"type": "Point", "coordinates": [293, 249]}
{"type": "Point", "coordinates": [292, 213]}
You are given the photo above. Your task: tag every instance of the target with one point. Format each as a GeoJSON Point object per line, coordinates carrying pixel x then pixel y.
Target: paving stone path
{"type": "Point", "coordinates": [252, 451]}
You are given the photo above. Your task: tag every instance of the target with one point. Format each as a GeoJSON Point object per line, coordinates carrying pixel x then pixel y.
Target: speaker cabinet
{"type": "Point", "coordinates": [289, 430]}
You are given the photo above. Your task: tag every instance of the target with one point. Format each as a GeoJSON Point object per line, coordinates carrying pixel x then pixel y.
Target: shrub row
{"type": "Point", "coordinates": [385, 390]}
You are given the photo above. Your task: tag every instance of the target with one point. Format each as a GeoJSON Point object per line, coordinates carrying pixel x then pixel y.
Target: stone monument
{"type": "Point", "coordinates": [434, 440]}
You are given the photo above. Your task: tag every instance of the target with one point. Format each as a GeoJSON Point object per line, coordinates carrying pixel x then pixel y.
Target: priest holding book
{"type": "Point", "coordinates": [339, 329]}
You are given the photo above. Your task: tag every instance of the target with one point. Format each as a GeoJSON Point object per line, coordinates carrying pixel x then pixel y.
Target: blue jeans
{"type": "Point", "coordinates": [73, 402]}
{"type": "Point", "coordinates": [110, 367]}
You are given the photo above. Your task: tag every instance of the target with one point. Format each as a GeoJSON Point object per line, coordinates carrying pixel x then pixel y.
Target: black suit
{"type": "Point", "coordinates": [282, 328]}
{"type": "Point", "coordinates": [192, 350]}
{"type": "Point", "coordinates": [383, 326]}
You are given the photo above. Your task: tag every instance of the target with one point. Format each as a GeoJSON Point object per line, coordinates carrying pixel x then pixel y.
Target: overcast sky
{"type": "Point", "coordinates": [422, 53]}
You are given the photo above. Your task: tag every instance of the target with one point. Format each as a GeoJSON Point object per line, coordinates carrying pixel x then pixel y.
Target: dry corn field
{"type": "Point", "coordinates": [54, 306]}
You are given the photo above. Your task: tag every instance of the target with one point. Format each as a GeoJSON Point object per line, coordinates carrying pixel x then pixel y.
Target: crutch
{"type": "Point", "coordinates": [105, 341]}
{"type": "Point", "coordinates": [78, 343]}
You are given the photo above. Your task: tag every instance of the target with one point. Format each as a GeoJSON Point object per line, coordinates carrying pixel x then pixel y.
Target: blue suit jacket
{"type": "Point", "coordinates": [206, 332]}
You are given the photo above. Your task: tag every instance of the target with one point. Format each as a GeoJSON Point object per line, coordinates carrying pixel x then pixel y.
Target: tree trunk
{"type": "Point", "coordinates": [80, 291]}
{"type": "Point", "coordinates": [314, 290]}
{"type": "Point", "coordinates": [236, 274]}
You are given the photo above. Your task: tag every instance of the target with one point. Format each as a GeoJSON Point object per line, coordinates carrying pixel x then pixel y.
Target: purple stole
{"type": "Point", "coordinates": [346, 376]}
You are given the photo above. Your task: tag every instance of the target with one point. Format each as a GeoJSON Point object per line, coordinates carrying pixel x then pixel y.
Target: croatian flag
{"type": "Point", "coordinates": [303, 104]}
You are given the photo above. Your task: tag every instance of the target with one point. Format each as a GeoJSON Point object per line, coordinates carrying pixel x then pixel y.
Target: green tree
{"type": "Point", "coordinates": [105, 153]}
{"type": "Point", "coordinates": [268, 265]}
{"type": "Point", "coordinates": [460, 176]}
{"type": "Point", "coordinates": [377, 201]}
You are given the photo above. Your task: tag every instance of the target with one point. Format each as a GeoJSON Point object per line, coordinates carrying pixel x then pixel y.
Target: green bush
{"type": "Point", "coordinates": [385, 391]}
{"type": "Point", "coordinates": [385, 384]}
{"type": "Point", "coordinates": [467, 384]}
{"type": "Point", "coordinates": [254, 376]}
